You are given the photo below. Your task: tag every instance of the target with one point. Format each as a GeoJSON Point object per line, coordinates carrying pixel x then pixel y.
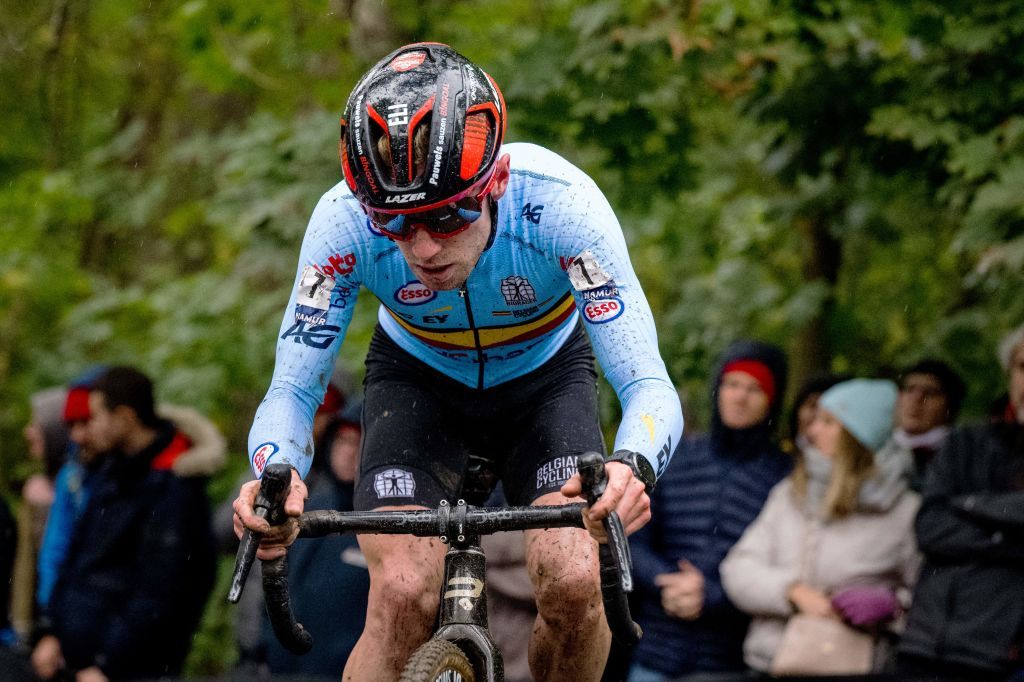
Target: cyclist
{"type": "Point", "coordinates": [489, 261]}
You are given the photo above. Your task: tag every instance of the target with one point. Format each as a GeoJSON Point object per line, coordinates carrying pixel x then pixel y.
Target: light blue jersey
{"type": "Point", "coordinates": [558, 254]}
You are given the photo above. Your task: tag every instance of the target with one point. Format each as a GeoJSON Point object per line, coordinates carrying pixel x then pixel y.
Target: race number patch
{"type": "Point", "coordinates": [314, 289]}
{"type": "Point", "coordinates": [394, 483]}
{"type": "Point", "coordinates": [262, 455]}
{"type": "Point", "coordinates": [586, 273]}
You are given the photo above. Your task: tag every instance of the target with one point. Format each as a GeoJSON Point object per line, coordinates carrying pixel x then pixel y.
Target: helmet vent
{"type": "Point", "coordinates": [474, 144]}
{"type": "Point", "coordinates": [380, 139]}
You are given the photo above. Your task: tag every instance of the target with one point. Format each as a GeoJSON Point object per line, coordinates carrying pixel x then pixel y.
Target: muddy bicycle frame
{"type": "Point", "coordinates": [463, 611]}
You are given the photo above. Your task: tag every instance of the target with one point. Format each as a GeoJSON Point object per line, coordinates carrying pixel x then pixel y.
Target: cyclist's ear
{"type": "Point", "coordinates": [502, 176]}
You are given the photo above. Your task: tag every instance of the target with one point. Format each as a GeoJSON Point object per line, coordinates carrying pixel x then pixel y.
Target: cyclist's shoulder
{"type": "Point", "coordinates": [533, 165]}
{"type": "Point", "coordinates": [338, 211]}
{"type": "Point", "coordinates": [338, 224]}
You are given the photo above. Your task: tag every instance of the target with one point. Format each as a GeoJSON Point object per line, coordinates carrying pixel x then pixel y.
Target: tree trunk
{"type": "Point", "coordinates": [822, 256]}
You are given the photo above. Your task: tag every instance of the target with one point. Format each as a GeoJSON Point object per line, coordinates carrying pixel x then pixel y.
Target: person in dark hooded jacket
{"type": "Point", "coordinates": [967, 616]}
{"type": "Point", "coordinates": [713, 488]}
{"type": "Point", "coordinates": [141, 562]}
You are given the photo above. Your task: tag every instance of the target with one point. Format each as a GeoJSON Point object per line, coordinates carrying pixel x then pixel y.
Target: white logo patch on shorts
{"type": "Point", "coordinates": [394, 483]}
{"type": "Point", "coordinates": [556, 472]}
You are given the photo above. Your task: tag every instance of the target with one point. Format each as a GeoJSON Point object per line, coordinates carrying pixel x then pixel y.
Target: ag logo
{"type": "Point", "coordinates": [317, 336]}
{"type": "Point", "coordinates": [414, 293]}
{"type": "Point", "coordinates": [603, 310]}
{"type": "Point", "coordinates": [532, 213]}
{"type": "Point", "coordinates": [518, 291]}
{"type": "Point", "coordinates": [262, 455]}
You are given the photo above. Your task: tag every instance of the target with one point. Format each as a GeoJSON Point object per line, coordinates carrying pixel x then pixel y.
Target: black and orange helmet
{"type": "Point", "coordinates": [420, 85]}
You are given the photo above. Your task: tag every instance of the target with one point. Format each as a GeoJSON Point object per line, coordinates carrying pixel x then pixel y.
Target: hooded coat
{"type": "Point", "coordinates": [141, 560]}
{"type": "Point", "coordinates": [713, 488]}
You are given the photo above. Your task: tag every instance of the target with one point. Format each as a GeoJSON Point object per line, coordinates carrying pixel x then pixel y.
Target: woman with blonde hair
{"type": "Point", "coordinates": [834, 542]}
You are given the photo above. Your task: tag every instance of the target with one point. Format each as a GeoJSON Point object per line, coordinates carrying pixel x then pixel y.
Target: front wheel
{"type": "Point", "coordinates": [438, 661]}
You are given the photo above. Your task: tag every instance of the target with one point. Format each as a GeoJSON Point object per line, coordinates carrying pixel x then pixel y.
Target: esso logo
{"type": "Point", "coordinates": [262, 455]}
{"type": "Point", "coordinates": [603, 310]}
{"type": "Point", "coordinates": [415, 293]}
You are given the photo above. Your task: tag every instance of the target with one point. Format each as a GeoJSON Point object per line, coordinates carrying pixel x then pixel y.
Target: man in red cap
{"type": "Point", "coordinates": [713, 488]}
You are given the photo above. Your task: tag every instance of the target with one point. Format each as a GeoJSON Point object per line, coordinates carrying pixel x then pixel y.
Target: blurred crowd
{"type": "Point", "coordinates": [865, 532]}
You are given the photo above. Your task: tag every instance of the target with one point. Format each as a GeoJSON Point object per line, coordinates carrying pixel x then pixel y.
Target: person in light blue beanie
{"type": "Point", "coordinates": [865, 408]}
{"type": "Point", "coordinates": [835, 540]}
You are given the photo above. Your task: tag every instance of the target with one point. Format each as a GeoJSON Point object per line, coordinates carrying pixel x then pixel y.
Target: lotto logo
{"type": "Point", "coordinates": [262, 455]}
{"type": "Point", "coordinates": [603, 310]}
{"type": "Point", "coordinates": [339, 264]}
{"type": "Point", "coordinates": [414, 293]}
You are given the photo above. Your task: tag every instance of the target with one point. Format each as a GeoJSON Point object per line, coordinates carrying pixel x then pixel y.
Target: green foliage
{"type": "Point", "coordinates": [841, 177]}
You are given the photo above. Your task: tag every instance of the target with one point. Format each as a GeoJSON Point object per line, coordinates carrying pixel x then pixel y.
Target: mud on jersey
{"type": "Point", "coordinates": [558, 254]}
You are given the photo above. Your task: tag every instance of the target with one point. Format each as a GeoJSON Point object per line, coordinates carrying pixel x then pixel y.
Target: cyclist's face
{"type": "Point", "coordinates": [442, 264]}
{"type": "Point", "coordinates": [922, 405]}
{"type": "Point", "coordinates": [742, 402]}
{"type": "Point", "coordinates": [1017, 382]}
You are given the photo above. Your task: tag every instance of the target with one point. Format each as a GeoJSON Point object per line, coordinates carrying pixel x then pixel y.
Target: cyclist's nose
{"type": "Point", "coordinates": [424, 245]}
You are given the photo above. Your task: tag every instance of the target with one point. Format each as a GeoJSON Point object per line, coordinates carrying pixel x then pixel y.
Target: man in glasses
{"type": "Point", "coordinates": [493, 265]}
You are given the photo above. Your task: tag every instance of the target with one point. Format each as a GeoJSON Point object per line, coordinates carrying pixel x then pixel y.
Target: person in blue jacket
{"type": "Point", "coordinates": [713, 488]}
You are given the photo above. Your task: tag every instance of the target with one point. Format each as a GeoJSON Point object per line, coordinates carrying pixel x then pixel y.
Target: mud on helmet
{"type": "Point", "coordinates": [422, 85]}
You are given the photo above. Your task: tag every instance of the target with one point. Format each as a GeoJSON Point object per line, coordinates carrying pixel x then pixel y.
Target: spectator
{"type": "Point", "coordinates": [931, 394]}
{"type": "Point", "coordinates": [835, 538]}
{"type": "Point", "coordinates": [47, 442]}
{"type": "Point", "coordinates": [328, 576]}
{"type": "Point", "coordinates": [138, 570]}
{"type": "Point", "coordinates": [8, 535]}
{"type": "Point", "coordinates": [968, 613]}
{"type": "Point", "coordinates": [74, 481]}
{"type": "Point", "coordinates": [248, 613]}
{"type": "Point", "coordinates": [805, 406]}
{"type": "Point", "coordinates": [13, 664]}
{"type": "Point", "coordinates": [71, 490]}
{"type": "Point", "coordinates": [712, 489]}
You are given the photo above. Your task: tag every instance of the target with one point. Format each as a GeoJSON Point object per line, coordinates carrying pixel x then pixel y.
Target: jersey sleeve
{"type": "Point", "coordinates": [315, 321]}
{"type": "Point", "coordinates": [618, 320]}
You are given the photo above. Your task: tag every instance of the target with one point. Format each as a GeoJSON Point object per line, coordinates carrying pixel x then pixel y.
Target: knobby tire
{"type": "Point", "coordinates": [438, 661]}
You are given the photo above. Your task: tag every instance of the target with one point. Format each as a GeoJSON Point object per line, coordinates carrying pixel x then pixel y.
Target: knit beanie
{"type": "Point", "coordinates": [864, 407]}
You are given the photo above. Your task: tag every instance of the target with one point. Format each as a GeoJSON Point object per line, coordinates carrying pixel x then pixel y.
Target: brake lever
{"type": "Point", "coordinates": [269, 505]}
{"type": "Point", "coordinates": [616, 564]}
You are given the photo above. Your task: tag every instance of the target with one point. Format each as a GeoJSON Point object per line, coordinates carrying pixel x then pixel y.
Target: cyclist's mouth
{"type": "Point", "coordinates": [436, 272]}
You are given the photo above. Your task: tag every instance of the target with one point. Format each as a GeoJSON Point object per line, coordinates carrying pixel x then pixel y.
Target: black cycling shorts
{"type": "Point", "coordinates": [420, 427]}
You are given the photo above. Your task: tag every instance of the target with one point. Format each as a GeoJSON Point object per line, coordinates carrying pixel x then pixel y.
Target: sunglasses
{"type": "Point", "coordinates": [444, 221]}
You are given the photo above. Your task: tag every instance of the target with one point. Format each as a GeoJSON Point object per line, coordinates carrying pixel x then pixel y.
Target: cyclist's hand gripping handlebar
{"type": "Point", "coordinates": [616, 564]}
{"type": "Point", "coordinates": [269, 504]}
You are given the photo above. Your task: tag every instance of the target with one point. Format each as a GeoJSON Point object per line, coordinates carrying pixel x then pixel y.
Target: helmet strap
{"type": "Point", "coordinates": [493, 207]}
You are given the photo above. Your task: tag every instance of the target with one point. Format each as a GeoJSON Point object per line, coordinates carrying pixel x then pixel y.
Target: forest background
{"type": "Point", "coordinates": [843, 178]}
